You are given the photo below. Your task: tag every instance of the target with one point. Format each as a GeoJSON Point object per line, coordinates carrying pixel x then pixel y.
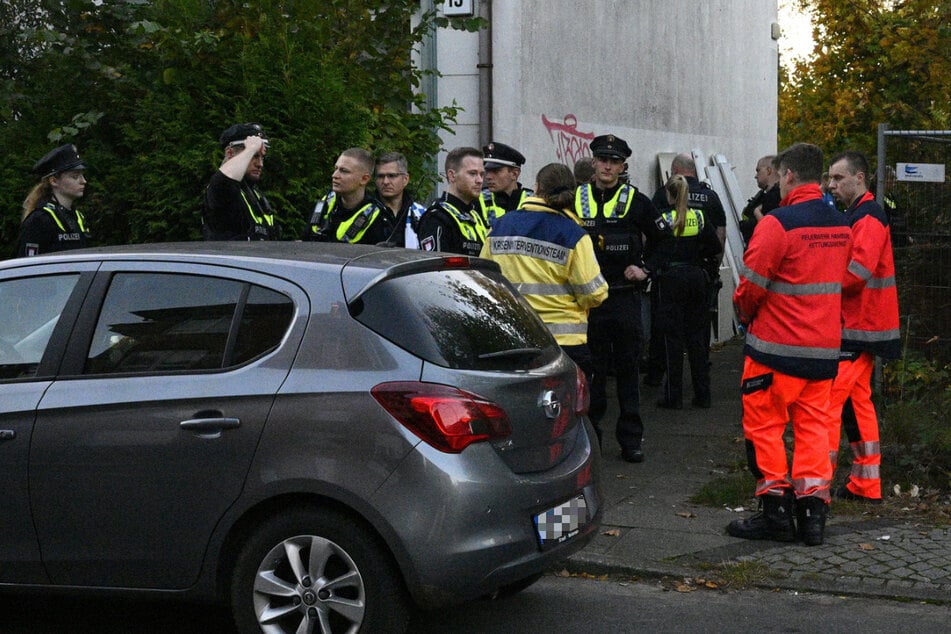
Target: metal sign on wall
{"type": "Point", "coordinates": [921, 172]}
{"type": "Point", "coordinates": [457, 7]}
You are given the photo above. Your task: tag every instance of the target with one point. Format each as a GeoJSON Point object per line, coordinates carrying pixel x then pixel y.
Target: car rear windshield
{"type": "Point", "coordinates": [458, 318]}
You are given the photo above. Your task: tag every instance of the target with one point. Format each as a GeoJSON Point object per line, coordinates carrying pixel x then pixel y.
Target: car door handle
{"type": "Point", "coordinates": [7, 434]}
{"type": "Point", "coordinates": [210, 427]}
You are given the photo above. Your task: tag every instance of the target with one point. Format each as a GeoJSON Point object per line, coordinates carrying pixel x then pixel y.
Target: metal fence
{"type": "Point", "coordinates": [909, 182]}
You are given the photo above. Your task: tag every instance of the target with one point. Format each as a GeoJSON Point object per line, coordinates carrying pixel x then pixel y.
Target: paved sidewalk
{"type": "Point", "coordinates": [650, 529]}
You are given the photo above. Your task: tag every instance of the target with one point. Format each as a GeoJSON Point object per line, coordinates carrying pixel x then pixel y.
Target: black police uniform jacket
{"type": "Point", "coordinates": [236, 210]}
{"type": "Point", "coordinates": [700, 196]}
{"type": "Point", "coordinates": [615, 218]}
{"type": "Point", "coordinates": [50, 227]}
{"type": "Point", "coordinates": [370, 222]}
{"type": "Point", "coordinates": [452, 226]}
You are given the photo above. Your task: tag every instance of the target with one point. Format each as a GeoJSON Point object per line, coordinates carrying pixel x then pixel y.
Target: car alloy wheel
{"type": "Point", "coordinates": [315, 571]}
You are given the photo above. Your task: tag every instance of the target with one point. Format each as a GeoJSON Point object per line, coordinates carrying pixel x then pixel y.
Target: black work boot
{"type": "Point", "coordinates": [811, 513]}
{"type": "Point", "coordinates": [774, 520]}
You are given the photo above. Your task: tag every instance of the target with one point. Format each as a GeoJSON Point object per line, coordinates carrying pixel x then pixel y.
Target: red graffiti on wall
{"type": "Point", "coordinates": [570, 144]}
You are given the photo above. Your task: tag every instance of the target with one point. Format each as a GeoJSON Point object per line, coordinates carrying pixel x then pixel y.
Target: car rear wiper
{"type": "Point", "coordinates": [512, 353]}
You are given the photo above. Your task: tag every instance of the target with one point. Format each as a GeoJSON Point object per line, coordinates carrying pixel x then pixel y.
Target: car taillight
{"type": "Point", "coordinates": [447, 418]}
{"type": "Point", "coordinates": [582, 393]}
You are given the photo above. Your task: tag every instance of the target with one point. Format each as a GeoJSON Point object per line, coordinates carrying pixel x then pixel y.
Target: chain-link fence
{"type": "Point", "coordinates": [916, 193]}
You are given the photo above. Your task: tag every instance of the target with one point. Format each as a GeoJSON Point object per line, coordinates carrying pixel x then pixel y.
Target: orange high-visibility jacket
{"type": "Point", "coordinates": [790, 293]}
{"type": "Point", "coordinates": [869, 294]}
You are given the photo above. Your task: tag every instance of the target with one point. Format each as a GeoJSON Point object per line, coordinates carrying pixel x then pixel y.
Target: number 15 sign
{"type": "Point", "coordinates": [457, 7]}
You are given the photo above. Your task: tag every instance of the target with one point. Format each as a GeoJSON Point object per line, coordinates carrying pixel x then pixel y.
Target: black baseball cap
{"type": "Point", "coordinates": [62, 159]}
{"type": "Point", "coordinates": [236, 134]}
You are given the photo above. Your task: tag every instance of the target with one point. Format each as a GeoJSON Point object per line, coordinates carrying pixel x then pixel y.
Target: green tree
{"type": "Point", "coordinates": [145, 88]}
{"type": "Point", "coordinates": [875, 61]}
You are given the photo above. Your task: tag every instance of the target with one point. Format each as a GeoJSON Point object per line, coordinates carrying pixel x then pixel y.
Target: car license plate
{"type": "Point", "coordinates": [561, 523]}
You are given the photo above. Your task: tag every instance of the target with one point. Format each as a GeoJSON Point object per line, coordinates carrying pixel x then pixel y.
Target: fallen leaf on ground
{"type": "Point", "coordinates": [614, 532]}
{"type": "Point", "coordinates": [686, 514]}
{"type": "Point", "coordinates": [866, 546]}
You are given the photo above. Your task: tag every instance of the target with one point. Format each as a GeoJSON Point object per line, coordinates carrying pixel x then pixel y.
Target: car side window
{"type": "Point", "coordinates": [29, 311]}
{"type": "Point", "coordinates": [169, 322]}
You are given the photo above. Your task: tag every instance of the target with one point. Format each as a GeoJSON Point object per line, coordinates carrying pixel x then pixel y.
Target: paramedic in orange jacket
{"type": "Point", "coordinates": [870, 329]}
{"type": "Point", "coordinates": [790, 300]}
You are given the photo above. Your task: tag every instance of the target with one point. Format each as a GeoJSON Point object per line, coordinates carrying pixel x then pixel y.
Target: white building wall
{"type": "Point", "coordinates": [665, 75]}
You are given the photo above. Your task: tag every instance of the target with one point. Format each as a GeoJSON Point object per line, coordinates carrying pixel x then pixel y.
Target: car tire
{"type": "Point", "coordinates": [316, 570]}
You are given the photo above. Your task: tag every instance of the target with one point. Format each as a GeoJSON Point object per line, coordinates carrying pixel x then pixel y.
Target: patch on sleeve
{"type": "Point", "coordinates": [428, 244]}
{"type": "Point", "coordinates": [32, 249]}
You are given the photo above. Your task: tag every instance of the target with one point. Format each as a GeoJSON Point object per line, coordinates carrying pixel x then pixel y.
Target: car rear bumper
{"type": "Point", "coordinates": [470, 527]}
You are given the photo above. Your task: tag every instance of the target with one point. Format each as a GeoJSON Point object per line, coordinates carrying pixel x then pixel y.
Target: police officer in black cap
{"type": "Point", "coordinates": [502, 192]}
{"type": "Point", "coordinates": [51, 221]}
{"type": "Point", "coordinates": [615, 215]}
{"type": "Point", "coordinates": [235, 209]}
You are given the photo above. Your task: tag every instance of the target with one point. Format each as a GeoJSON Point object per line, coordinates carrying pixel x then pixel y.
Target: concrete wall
{"type": "Point", "coordinates": [665, 75]}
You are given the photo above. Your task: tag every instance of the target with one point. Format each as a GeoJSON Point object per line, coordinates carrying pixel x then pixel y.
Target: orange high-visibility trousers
{"type": "Point", "coordinates": [770, 400]}
{"type": "Point", "coordinates": [854, 382]}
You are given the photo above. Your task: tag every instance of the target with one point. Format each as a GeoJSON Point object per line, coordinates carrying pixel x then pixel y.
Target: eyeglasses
{"type": "Point", "coordinates": [390, 177]}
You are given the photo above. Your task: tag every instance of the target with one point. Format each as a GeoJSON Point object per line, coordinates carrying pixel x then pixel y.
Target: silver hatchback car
{"type": "Point", "coordinates": [324, 436]}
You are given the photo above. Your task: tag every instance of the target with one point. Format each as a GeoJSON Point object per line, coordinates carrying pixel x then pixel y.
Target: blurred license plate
{"type": "Point", "coordinates": [562, 522]}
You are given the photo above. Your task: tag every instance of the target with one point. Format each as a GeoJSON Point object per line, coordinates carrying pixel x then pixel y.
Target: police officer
{"type": "Point", "coordinates": [615, 215]}
{"type": "Point", "coordinates": [675, 260]}
{"type": "Point", "coordinates": [50, 220]}
{"type": "Point", "coordinates": [502, 192]}
{"type": "Point", "coordinates": [452, 223]}
{"type": "Point", "coordinates": [392, 177]}
{"type": "Point", "coordinates": [701, 197]}
{"type": "Point", "coordinates": [347, 213]}
{"type": "Point", "coordinates": [234, 207]}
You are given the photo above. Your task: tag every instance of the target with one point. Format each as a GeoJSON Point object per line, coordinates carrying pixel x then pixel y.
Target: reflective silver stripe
{"type": "Point", "coordinates": [541, 249]}
{"type": "Point", "coordinates": [827, 288]}
{"type": "Point", "coordinates": [567, 329]}
{"type": "Point", "coordinates": [818, 487]}
{"type": "Point", "coordinates": [881, 282]}
{"type": "Point", "coordinates": [858, 270]}
{"type": "Point", "coordinates": [866, 448]}
{"type": "Point", "coordinates": [871, 335]}
{"type": "Point", "coordinates": [766, 486]}
{"type": "Point", "coordinates": [590, 287]}
{"type": "Point", "coordinates": [543, 289]}
{"type": "Point", "coordinates": [756, 278]}
{"type": "Point", "coordinates": [784, 350]}
{"type": "Point", "coordinates": [833, 457]}
{"type": "Point", "coordinates": [865, 471]}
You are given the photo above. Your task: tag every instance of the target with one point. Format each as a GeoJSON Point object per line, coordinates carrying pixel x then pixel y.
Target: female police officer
{"type": "Point", "coordinates": [50, 221]}
{"type": "Point", "coordinates": [675, 256]}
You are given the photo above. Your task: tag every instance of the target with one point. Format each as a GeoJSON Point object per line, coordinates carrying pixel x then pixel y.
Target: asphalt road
{"type": "Point", "coordinates": [554, 604]}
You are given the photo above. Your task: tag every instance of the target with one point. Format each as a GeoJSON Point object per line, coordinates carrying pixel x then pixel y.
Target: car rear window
{"type": "Point", "coordinates": [164, 322]}
{"type": "Point", "coordinates": [458, 318]}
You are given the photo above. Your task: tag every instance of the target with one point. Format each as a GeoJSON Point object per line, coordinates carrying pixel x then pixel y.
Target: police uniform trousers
{"type": "Point", "coordinates": [614, 331]}
{"type": "Point", "coordinates": [682, 319]}
{"type": "Point", "coordinates": [853, 385]}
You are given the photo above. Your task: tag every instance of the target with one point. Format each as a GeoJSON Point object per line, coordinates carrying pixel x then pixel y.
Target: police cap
{"type": "Point", "coordinates": [498, 155]}
{"type": "Point", "coordinates": [611, 146]}
{"type": "Point", "coordinates": [62, 159]}
{"type": "Point", "coordinates": [236, 134]}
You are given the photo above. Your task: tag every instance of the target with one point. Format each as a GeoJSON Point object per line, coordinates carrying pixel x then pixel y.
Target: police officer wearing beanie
{"type": "Point", "coordinates": [234, 207]}
{"type": "Point", "coordinates": [502, 191]}
{"type": "Point", "coordinates": [50, 220]}
{"type": "Point", "coordinates": [615, 215]}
